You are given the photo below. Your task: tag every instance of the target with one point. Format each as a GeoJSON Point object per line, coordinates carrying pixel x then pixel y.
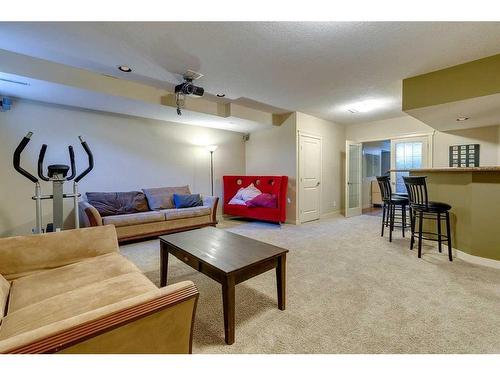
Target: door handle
{"type": "Point", "coordinates": [317, 184]}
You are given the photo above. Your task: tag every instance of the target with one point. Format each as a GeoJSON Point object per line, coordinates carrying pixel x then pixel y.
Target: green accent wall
{"type": "Point", "coordinates": [473, 79]}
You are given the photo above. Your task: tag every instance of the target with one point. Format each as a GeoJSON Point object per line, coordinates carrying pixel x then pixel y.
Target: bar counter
{"type": "Point", "coordinates": [474, 194]}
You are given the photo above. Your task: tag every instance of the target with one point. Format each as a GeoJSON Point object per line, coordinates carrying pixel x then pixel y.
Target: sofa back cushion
{"type": "Point", "coordinates": [4, 296]}
{"type": "Point", "coordinates": [118, 203]}
{"type": "Point", "coordinates": [23, 255]}
{"type": "Point", "coordinates": [161, 198]}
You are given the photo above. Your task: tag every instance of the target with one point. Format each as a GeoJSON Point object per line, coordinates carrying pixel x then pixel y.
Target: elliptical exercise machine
{"type": "Point", "coordinates": [57, 173]}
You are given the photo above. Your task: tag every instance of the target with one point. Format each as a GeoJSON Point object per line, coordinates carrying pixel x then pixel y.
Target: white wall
{"type": "Point", "coordinates": [130, 154]}
{"type": "Point", "coordinates": [487, 137]}
{"type": "Point", "coordinates": [274, 152]}
{"type": "Point", "coordinates": [333, 159]}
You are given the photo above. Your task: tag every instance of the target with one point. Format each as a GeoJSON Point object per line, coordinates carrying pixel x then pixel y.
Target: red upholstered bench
{"type": "Point", "coordinates": [277, 185]}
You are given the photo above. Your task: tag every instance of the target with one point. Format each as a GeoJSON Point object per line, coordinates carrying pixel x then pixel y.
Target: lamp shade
{"type": "Point", "coordinates": [212, 148]}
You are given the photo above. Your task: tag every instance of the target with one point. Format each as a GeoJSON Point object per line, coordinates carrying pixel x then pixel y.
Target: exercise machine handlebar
{"type": "Point", "coordinates": [72, 163]}
{"type": "Point", "coordinates": [17, 158]}
{"type": "Point", "coordinates": [90, 158]}
{"type": "Point", "coordinates": [41, 156]}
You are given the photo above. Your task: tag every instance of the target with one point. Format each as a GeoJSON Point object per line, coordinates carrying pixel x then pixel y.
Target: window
{"type": "Point", "coordinates": [408, 155]}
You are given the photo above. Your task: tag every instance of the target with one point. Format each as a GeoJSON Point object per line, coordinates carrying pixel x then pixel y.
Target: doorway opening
{"type": "Point", "coordinates": [376, 161]}
{"type": "Point", "coordinates": [370, 158]}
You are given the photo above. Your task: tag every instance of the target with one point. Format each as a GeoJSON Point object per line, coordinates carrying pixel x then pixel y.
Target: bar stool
{"type": "Point", "coordinates": [423, 208]}
{"type": "Point", "coordinates": [391, 203]}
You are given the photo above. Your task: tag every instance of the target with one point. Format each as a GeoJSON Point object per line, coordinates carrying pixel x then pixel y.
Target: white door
{"type": "Point", "coordinates": [309, 177]}
{"type": "Point", "coordinates": [407, 153]}
{"type": "Point", "coordinates": [353, 171]}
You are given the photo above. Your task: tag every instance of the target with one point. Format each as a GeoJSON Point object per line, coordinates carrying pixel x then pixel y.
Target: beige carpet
{"type": "Point", "coordinates": [349, 291]}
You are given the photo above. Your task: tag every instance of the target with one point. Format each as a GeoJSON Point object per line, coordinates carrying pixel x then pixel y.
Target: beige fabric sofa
{"type": "Point", "coordinates": [153, 223]}
{"type": "Point", "coordinates": [72, 292]}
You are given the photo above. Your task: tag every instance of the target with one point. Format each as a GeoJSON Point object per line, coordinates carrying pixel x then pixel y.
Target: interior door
{"type": "Point", "coordinates": [353, 170]}
{"type": "Point", "coordinates": [407, 153]}
{"type": "Point", "coordinates": [309, 177]}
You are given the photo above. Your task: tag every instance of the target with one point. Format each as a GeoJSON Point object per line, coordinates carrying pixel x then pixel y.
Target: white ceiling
{"type": "Point", "coordinates": [315, 68]}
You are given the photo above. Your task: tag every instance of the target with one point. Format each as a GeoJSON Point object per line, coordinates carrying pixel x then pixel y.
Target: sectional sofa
{"type": "Point", "coordinates": [72, 292]}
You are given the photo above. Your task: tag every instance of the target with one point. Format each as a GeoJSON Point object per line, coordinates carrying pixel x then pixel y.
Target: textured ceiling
{"type": "Point", "coordinates": [316, 68]}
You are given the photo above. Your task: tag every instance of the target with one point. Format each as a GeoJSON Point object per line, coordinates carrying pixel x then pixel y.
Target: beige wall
{"type": "Point", "coordinates": [274, 152]}
{"type": "Point", "coordinates": [487, 137]}
{"type": "Point", "coordinates": [333, 157]}
{"type": "Point", "coordinates": [130, 153]}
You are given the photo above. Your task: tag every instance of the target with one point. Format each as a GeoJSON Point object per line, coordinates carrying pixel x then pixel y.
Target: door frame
{"type": "Point", "coordinates": [349, 212]}
{"type": "Point", "coordinates": [301, 133]}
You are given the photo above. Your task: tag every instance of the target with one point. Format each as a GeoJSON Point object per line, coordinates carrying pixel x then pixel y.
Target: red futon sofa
{"type": "Point", "coordinates": [277, 185]}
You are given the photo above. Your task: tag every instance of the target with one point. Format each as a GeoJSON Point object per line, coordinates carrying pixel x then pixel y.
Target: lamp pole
{"type": "Point", "coordinates": [212, 148]}
{"type": "Point", "coordinates": [212, 170]}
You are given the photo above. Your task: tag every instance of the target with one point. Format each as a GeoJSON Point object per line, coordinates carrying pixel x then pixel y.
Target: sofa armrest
{"type": "Point", "coordinates": [213, 203]}
{"type": "Point", "coordinates": [22, 255]}
{"type": "Point", "coordinates": [89, 216]}
{"type": "Point", "coordinates": [160, 321]}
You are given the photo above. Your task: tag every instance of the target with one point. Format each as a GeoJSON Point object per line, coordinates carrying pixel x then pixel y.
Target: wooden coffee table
{"type": "Point", "coordinates": [227, 258]}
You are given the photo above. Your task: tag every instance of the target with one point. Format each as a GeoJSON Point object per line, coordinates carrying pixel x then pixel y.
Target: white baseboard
{"type": "Point", "coordinates": [476, 260]}
{"type": "Point", "coordinates": [327, 215]}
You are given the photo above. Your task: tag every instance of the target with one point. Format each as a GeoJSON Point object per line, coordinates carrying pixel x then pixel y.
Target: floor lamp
{"type": "Point", "coordinates": [212, 148]}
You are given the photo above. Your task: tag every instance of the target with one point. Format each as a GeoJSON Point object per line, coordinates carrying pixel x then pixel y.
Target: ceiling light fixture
{"type": "Point", "coordinates": [462, 118]}
{"type": "Point", "coordinates": [365, 105]}
{"type": "Point", "coordinates": [125, 68]}
{"type": "Point", "coordinates": [220, 95]}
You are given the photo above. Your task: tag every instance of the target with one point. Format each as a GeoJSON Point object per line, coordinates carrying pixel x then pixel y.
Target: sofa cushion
{"type": "Point", "coordinates": [75, 302]}
{"type": "Point", "coordinates": [161, 198]}
{"type": "Point", "coordinates": [118, 203]}
{"type": "Point", "coordinates": [183, 213]}
{"type": "Point", "coordinates": [45, 284]}
{"type": "Point", "coordinates": [4, 296]}
{"type": "Point", "coordinates": [187, 200]}
{"type": "Point", "coordinates": [133, 219]}
{"type": "Point", "coordinates": [23, 255]}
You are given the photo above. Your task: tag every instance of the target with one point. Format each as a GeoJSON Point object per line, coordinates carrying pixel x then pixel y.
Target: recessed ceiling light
{"type": "Point", "coordinates": [366, 105]}
{"type": "Point", "coordinates": [125, 68]}
{"type": "Point", "coordinates": [462, 118]}
{"type": "Point", "coordinates": [220, 95]}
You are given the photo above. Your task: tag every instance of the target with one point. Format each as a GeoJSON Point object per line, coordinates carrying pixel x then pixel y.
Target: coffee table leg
{"type": "Point", "coordinates": [228, 304]}
{"type": "Point", "coordinates": [163, 264]}
{"type": "Point", "coordinates": [281, 281]}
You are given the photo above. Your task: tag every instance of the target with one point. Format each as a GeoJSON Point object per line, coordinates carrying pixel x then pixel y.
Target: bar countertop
{"type": "Point", "coordinates": [474, 195]}
{"type": "Point", "coordinates": [451, 169]}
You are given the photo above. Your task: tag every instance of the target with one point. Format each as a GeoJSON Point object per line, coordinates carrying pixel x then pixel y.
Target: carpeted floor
{"type": "Point", "coordinates": [349, 291]}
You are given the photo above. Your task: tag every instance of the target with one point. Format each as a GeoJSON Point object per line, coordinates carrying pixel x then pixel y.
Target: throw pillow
{"type": "Point", "coordinates": [118, 203]}
{"type": "Point", "coordinates": [161, 198]}
{"type": "Point", "coordinates": [236, 201]}
{"type": "Point", "coordinates": [263, 200]}
{"type": "Point", "coordinates": [250, 192]}
{"type": "Point", "coordinates": [187, 200]}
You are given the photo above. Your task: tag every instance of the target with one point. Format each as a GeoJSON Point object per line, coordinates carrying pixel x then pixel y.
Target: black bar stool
{"type": "Point", "coordinates": [391, 204]}
{"type": "Point", "coordinates": [423, 208]}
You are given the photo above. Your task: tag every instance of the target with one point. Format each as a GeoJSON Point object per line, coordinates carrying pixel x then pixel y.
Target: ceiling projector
{"type": "Point", "coordinates": [187, 88]}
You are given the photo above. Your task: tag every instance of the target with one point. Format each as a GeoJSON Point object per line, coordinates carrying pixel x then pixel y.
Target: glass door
{"type": "Point", "coordinates": [407, 153]}
{"type": "Point", "coordinates": [353, 178]}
